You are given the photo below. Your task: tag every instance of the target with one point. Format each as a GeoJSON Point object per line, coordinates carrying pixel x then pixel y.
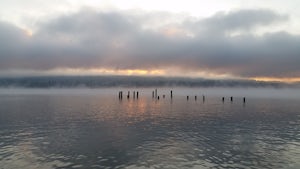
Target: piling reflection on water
{"type": "Point", "coordinates": [98, 131]}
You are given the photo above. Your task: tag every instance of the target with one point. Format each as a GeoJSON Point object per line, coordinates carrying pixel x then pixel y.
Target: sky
{"type": "Point", "coordinates": [192, 38]}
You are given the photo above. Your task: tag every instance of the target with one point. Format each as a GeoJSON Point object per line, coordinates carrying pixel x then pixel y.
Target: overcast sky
{"type": "Point", "coordinates": [215, 39]}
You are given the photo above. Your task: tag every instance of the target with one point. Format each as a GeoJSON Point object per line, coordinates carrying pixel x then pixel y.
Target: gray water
{"type": "Point", "coordinates": [92, 128]}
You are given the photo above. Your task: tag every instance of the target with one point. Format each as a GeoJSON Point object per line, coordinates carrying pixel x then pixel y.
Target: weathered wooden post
{"type": "Point", "coordinates": [203, 98]}
{"type": "Point", "coordinates": [244, 100]}
{"type": "Point", "coordinates": [171, 94]}
{"type": "Point", "coordinates": [128, 95]}
{"type": "Point", "coordinates": [120, 94]}
{"type": "Point", "coordinates": [152, 94]}
{"type": "Point", "coordinates": [164, 96]}
{"type": "Point", "coordinates": [195, 97]}
{"type": "Point", "coordinates": [156, 93]}
{"type": "Point", "coordinates": [231, 99]}
{"type": "Point", "coordinates": [137, 94]}
{"type": "Point", "coordinates": [134, 94]}
{"type": "Point", "coordinates": [223, 99]}
{"type": "Point", "coordinates": [187, 97]}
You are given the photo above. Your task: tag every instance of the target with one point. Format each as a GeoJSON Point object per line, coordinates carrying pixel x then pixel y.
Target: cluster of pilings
{"type": "Point", "coordinates": [156, 96]}
{"type": "Point", "coordinates": [231, 99]}
{"type": "Point", "coordinates": [135, 95]}
{"type": "Point", "coordinates": [223, 98]}
{"type": "Point", "coordinates": [196, 98]}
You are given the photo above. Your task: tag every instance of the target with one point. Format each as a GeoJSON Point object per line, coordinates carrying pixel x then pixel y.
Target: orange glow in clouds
{"type": "Point", "coordinates": [170, 72]}
{"type": "Point", "coordinates": [103, 71]}
{"type": "Point", "coordinates": [140, 72]}
{"type": "Point", "coordinates": [274, 79]}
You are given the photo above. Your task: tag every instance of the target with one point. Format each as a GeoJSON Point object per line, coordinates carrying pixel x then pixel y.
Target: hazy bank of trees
{"type": "Point", "coordinates": [128, 81]}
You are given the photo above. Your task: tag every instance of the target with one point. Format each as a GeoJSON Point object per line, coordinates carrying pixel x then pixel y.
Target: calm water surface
{"type": "Point", "coordinates": [92, 128]}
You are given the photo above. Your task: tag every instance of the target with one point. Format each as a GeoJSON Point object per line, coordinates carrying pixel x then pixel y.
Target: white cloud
{"type": "Point", "coordinates": [30, 12]}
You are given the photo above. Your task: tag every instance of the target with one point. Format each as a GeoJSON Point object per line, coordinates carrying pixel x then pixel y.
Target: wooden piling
{"type": "Point", "coordinates": [195, 97]}
{"type": "Point", "coordinates": [231, 99]}
{"type": "Point", "coordinates": [187, 97]}
{"type": "Point", "coordinates": [203, 98]}
{"type": "Point", "coordinates": [155, 93]}
{"type": "Point", "coordinates": [152, 94]}
{"type": "Point", "coordinates": [137, 94]}
{"type": "Point", "coordinates": [223, 99]}
{"type": "Point", "coordinates": [244, 100]}
{"type": "Point", "coordinates": [164, 96]}
{"type": "Point", "coordinates": [171, 94]}
{"type": "Point", "coordinates": [134, 94]}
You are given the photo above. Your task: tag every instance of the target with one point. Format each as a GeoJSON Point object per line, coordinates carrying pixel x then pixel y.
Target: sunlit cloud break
{"type": "Point", "coordinates": [234, 44]}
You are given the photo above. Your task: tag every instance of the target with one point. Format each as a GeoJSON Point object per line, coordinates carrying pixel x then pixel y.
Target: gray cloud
{"type": "Point", "coordinates": [91, 39]}
{"type": "Point", "coordinates": [241, 19]}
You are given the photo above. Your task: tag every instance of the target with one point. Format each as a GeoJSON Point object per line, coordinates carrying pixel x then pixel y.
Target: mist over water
{"type": "Point", "coordinates": [279, 93]}
{"type": "Point", "coordinates": [92, 128]}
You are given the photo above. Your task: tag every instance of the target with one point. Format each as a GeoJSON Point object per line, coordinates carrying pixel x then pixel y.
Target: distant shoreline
{"type": "Point", "coordinates": [132, 81]}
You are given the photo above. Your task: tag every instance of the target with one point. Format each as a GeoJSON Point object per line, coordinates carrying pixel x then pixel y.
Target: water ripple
{"type": "Point", "coordinates": [92, 131]}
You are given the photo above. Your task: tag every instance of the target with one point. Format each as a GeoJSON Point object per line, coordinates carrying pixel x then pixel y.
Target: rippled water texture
{"type": "Point", "coordinates": [92, 128]}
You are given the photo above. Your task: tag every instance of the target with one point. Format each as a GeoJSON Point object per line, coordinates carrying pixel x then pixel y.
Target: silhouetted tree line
{"type": "Point", "coordinates": [129, 81]}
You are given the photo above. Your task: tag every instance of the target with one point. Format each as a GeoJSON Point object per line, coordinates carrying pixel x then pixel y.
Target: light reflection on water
{"type": "Point", "coordinates": [97, 130]}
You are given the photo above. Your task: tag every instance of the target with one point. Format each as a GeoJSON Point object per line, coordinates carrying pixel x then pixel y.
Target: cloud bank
{"type": "Point", "coordinates": [224, 43]}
